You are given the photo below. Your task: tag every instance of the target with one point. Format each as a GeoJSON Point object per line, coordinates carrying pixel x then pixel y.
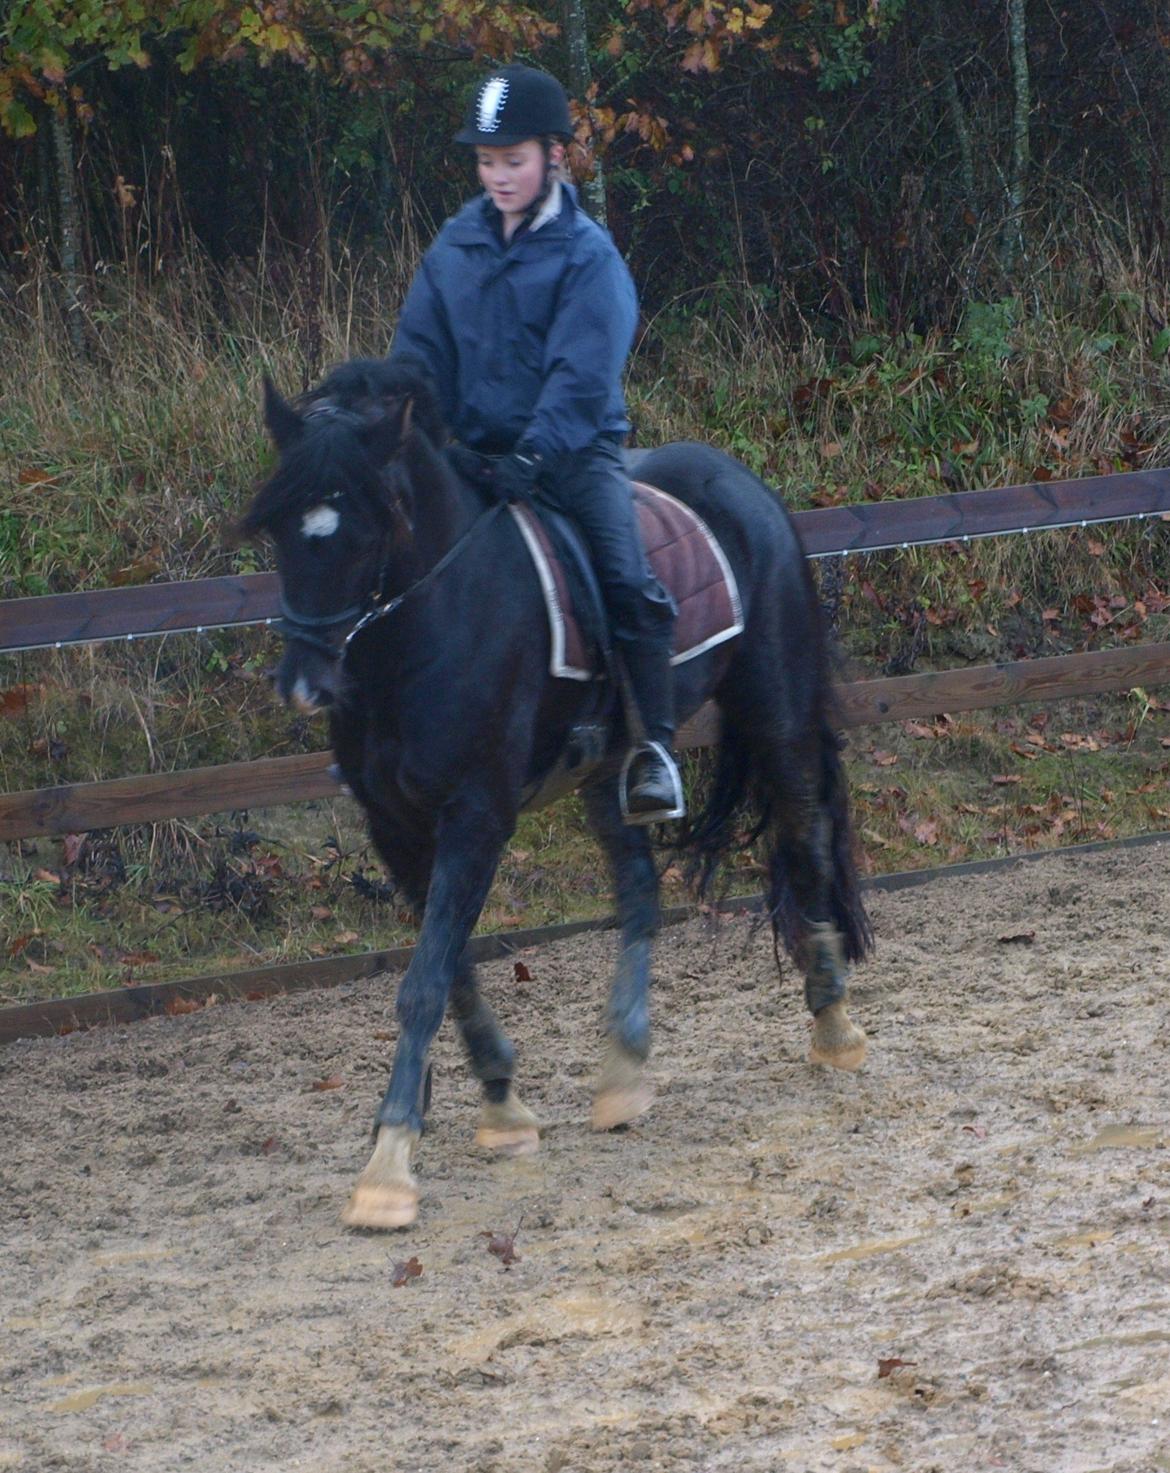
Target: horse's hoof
{"type": "Point", "coordinates": [386, 1195]}
{"type": "Point", "coordinates": [614, 1107]}
{"type": "Point", "coordinates": [836, 1040]}
{"type": "Point", "coordinates": [623, 1092]}
{"type": "Point", "coordinates": [381, 1207]}
{"type": "Point", "coordinates": [508, 1128]}
{"type": "Point", "coordinates": [508, 1142]}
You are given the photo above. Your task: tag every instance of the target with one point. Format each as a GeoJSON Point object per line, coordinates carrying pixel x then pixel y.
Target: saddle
{"type": "Point", "coordinates": [684, 555]}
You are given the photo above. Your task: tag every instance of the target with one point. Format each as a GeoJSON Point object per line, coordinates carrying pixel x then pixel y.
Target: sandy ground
{"type": "Point", "coordinates": [719, 1287]}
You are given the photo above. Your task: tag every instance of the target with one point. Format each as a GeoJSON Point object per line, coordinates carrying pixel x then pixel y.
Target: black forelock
{"type": "Point", "coordinates": [328, 457]}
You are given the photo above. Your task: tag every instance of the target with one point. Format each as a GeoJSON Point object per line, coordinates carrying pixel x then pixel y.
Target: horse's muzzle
{"type": "Point", "coordinates": [307, 680]}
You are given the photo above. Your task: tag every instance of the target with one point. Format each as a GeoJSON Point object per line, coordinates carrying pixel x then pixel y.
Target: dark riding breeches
{"type": "Point", "coordinates": [593, 487]}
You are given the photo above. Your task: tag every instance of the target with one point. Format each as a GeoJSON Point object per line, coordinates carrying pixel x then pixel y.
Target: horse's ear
{"type": "Point", "coordinates": [385, 436]}
{"type": "Point", "coordinates": [284, 424]}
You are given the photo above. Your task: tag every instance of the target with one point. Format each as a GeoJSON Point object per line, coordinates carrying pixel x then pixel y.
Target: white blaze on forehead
{"type": "Point", "coordinates": [320, 521]}
{"type": "Point", "coordinates": [491, 102]}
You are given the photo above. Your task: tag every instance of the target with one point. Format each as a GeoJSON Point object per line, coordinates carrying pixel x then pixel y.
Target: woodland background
{"type": "Point", "coordinates": [884, 248]}
{"type": "Point", "coordinates": [885, 161]}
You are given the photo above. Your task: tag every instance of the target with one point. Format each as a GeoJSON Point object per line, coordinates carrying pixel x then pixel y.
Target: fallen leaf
{"type": "Point", "coordinates": [977, 1130]}
{"type": "Point", "coordinates": [346, 938]}
{"type": "Point", "coordinates": [139, 958]}
{"type": "Point", "coordinates": [1017, 938]}
{"type": "Point", "coordinates": [888, 1367]}
{"type": "Point", "coordinates": [405, 1271]}
{"type": "Point", "coordinates": [883, 759]}
{"type": "Point", "coordinates": [71, 847]}
{"type": "Point", "coordinates": [320, 913]}
{"type": "Point", "coordinates": [180, 1005]}
{"type": "Point", "coordinates": [14, 701]}
{"type": "Point", "coordinates": [503, 1245]}
{"type": "Point", "coordinates": [268, 1146]}
{"type": "Point", "coordinates": [141, 570]}
{"type": "Point", "coordinates": [1006, 779]}
{"type": "Point", "coordinates": [46, 877]}
{"type": "Point", "coordinates": [521, 972]}
{"type": "Point", "coordinates": [334, 1081]}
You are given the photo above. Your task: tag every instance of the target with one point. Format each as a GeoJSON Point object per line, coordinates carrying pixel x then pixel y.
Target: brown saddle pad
{"type": "Point", "coordinates": [685, 557]}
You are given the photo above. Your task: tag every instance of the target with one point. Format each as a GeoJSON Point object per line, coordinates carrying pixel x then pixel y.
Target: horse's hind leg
{"type": "Point", "coordinates": [622, 1092]}
{"type": "Point", "coordinates": [801, 874]}
{"type": "Point", "coordinates": [506, 1124]}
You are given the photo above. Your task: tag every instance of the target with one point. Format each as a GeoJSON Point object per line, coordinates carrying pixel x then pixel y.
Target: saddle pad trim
{"type": "Point", "coordinates": [558, 665]}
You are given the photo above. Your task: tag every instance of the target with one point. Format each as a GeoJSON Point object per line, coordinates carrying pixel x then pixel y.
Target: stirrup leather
{"type": "Point", "coordinates": [676, 806]}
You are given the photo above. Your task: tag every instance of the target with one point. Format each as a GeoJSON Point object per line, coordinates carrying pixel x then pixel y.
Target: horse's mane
{"type": "Point", "coordinates": [369, 385]}
{"type": "Point", "coordinates": [333, 451]}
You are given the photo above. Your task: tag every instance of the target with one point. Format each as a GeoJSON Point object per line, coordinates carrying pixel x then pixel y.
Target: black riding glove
{"type": "Point", "coordinates": [514, 476]}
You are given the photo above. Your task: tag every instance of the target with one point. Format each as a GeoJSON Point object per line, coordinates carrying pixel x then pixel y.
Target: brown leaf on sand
{"type": "Point", "coordinates": [503, 1245]}
{"type": "Point", "coordinates": [888, 1367]}
{"type": "Point", "coordinates": [1017, 938]}
{"type": "Point", "coordinates": [521, 972]}
{"type": "Point", "coordinates": [411, 1268]}
{"type": "Point", "coordinates": [334, 1081]}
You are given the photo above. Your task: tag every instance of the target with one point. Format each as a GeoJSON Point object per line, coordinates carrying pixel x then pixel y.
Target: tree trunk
{"type": "Point", "coordinates": [68, 228]}
{"type": "Point", "coordinates": [580, 80]}
{"type": "Point", "coordinates": [959, 124]}
{"type": "Point", "coordinates": [1012, 247]}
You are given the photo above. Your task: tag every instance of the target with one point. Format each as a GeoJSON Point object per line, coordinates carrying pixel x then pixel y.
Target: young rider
{"type": "Point", "coordinates": [525, 313]}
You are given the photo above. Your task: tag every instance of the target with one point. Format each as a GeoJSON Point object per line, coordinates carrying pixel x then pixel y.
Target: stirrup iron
{"type": "Point", "coordinates": [674, 807]}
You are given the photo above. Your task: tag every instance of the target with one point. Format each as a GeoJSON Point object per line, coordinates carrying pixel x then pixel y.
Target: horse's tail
{"type": "Point", "coordinates": [739, 806]}
{"type": "Point", "coordinates": [848, 909]}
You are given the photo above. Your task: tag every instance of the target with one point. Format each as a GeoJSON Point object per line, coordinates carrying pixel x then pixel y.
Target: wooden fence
{"type": "Point", "coordinates": [210, 603]}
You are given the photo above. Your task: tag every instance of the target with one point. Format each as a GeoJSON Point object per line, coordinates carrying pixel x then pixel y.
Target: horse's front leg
{"type": "Point", "coordinates": [623, 1092]}
{"type": "Point", "coordinates": [506, 1124]}
{"type": "Point", "coordinates": [467, 850]}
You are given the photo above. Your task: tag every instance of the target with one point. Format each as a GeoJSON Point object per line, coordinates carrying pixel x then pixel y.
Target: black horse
{"type": "Point", "coordinates": [445, 721]}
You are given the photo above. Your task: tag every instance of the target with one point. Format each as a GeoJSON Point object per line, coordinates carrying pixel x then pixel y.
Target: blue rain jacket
{"type": "Point", "coordinates": [525, 341]}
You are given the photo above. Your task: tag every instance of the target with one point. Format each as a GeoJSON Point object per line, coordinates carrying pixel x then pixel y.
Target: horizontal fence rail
{"type": "Point", "coordinates": [80, 807]}
{"type": "Point", "coordinates": [250, 598]}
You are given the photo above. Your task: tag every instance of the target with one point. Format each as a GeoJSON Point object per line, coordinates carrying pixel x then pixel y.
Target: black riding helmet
{"type": "Point", "coordinates": [515, 103]}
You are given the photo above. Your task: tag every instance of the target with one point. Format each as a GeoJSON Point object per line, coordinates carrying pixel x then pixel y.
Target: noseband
{"type": "Point", "coordinates": [309, 628]}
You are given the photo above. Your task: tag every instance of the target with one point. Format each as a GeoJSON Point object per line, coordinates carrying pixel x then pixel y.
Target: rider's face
{"type": "Point", "coordinates": [514, 176]}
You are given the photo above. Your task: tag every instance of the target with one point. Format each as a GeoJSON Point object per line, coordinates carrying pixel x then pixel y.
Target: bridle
{"type": "Point", "coordinates": [310, 629]}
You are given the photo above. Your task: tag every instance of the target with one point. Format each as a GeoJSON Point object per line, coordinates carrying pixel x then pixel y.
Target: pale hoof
{"type": "Point", "coordinates": [386, 1194]}
{"type": "Point", "coordinates": [381, 1207]}
{"type": "Point", "coordinates": [836, 1040]}
{"type": "Point", "coordinates": [623, 1093]}
{"type": "Point", "coordinates": [508, 1128]}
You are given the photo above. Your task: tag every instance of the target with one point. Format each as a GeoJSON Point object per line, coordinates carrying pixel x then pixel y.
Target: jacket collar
{"type": "Point", "coordinates": [475, 224]}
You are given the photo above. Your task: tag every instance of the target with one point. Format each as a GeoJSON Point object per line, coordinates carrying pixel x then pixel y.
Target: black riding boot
{"type": "Point", "coordinates": [651, 788]}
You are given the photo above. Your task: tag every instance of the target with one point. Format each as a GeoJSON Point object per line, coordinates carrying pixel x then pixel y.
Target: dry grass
{"type": "Point", "coordinates": [126, 467]}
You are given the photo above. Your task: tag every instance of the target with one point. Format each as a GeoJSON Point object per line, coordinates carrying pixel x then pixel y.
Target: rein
{"type": "Point", "coordinates": [379, 611]}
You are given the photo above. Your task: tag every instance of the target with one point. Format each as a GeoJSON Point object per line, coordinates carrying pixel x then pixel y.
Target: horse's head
{"type": "Point", "coordinates": [335, 511]}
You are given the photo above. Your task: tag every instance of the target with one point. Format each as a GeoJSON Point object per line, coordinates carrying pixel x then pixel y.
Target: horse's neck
{"type": "Point", "coordinates": [444, 507]}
